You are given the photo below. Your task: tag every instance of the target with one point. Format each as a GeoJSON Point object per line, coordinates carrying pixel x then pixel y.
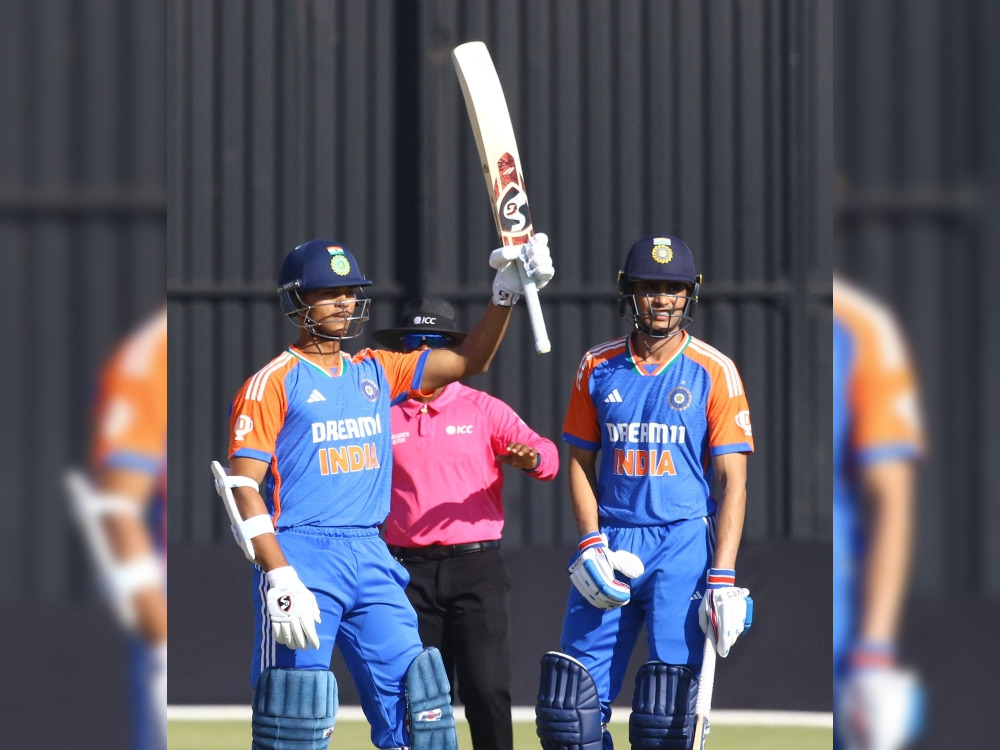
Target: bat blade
{"type": "Point", "coordinates": [501, 165]}
{"type": "Point", "coordinates": [703, 703]}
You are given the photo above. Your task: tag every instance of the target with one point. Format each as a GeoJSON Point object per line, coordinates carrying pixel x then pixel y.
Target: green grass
{"type": "Point", "coordinates": [353, 735]}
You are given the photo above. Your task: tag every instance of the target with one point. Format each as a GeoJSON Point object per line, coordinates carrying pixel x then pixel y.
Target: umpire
{"type": "Point", "coordinates": [444, 525]}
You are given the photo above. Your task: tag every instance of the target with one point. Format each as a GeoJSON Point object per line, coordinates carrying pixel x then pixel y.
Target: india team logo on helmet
{"type": "Point", "coordinates": [338, 263]}
{"type": "Point", "coordinates": [662, 252]}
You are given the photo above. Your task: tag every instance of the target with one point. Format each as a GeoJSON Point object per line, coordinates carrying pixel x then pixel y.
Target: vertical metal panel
{"type": "Point", "coordinates": [698, 119]}
{"type": "Point", "coordinates": [917, 227]}
{"type": "Point", "coordinates": [82, 231]}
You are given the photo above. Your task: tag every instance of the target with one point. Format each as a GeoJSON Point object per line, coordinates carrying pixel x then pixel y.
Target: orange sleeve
{"type": "Point", "coordinates": [728, 412]}
{"type": "Point", "coordinates": [581, 415]}
{"type": "Point", "coordinates": [259, 412]}
{"type": "Point", "coordinates": [403, 371]}
{"type": "Point", "coordinates": [883, 389]}
{"type": "Point", "coordinates": [130, 414]}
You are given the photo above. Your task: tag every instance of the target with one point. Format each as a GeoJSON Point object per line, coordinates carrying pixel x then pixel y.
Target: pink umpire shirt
{"type": "Point", "coordinates": [446, 479]}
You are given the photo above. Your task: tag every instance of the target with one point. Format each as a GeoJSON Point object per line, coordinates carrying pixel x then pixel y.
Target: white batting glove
{"type": "Point", "coordinates": [726, 611]}
{"type": "Point", "coordinates": [592, 571]}
{"type": "Point", "coordinates": [537, 260]}
{"type": "Point", "coordinates": [879, 708]}
{"type": "Point", "coordinates": [292, 608]}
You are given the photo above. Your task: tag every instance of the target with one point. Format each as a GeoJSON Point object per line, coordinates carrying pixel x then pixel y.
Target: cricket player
{"type": "Point", "coordinates": [310, 470]}
{"type": "Point", "coordinates": [877, 438]}
{"type": "Point", "coordinates": [120, 506]}
{"type": "Point", "coordinates": [447, 516]}
{"type": "Point", "coordinates": [659, 430]}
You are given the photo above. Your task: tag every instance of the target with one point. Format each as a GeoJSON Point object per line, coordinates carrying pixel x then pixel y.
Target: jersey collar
{"type": "Point", "coordinates": [633, 359]}
{"type": "Point", "coordinates": [344, 361]}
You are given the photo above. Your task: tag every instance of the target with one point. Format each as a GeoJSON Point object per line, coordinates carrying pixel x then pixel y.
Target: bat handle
{"type": "Point", "coordinates": [706, 680]}
{"type": "Point", "coordinates": [542, 345]}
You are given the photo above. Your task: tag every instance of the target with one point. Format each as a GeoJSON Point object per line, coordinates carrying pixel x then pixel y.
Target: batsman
{"type": "Point", "coordinates": [309, 480]}
{"type": "Point", "coordinates": [659, 431]}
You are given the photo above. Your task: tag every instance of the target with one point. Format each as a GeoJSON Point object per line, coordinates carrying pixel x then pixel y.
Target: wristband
{"type": "Point", "coordinates": [719, 578]}
{"type": "Point", "coordinates": [868, 654]}
{"type": "Point", "coordinates": [593, 539]}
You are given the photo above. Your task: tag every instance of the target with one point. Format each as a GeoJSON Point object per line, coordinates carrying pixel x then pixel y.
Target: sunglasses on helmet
{"type": "Point", "coordinates": [433, 340]}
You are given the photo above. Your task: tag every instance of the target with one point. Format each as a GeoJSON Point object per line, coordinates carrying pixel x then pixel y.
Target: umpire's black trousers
{"type": "Point", "coordinates": [461, 599]}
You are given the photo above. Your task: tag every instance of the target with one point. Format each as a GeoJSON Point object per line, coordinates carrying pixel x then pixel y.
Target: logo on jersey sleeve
{"type": "Point", "coordinates": [679, 398]}
{"type": "Point", "coordinates": [369, 390]}
{"type": "Point", "coordinates": [743, 422]}
{"type": "Point", "coordinates": [117, 419]}
{"type": "Point", "coordinates": [243, 425]}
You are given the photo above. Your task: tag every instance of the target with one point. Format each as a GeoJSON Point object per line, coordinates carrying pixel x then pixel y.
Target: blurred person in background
{"type": "Point", "coordinates": [877, 439]}
{"type": "Point", "coordinates": [449, 447]}
{"type": "Point", "coordinates": [120, 505]}
{"type": "Point", "coordinates": [659, 432]}
{"type": "Point", "coordinates": [309, 483]}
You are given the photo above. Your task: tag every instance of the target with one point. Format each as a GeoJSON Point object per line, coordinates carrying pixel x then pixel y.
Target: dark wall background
{"type": "Point", "coordinates": [82, 251]}
{"type": "Point", "coordinates": [917, 225]}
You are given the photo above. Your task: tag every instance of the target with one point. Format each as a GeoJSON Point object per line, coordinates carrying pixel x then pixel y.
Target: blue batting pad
{"type": "Point", "coordinates": [663, 707]}
{"type": "Point", "coordinates": [294, 709]}
{"type": "Point", "coordinates": [568, 714]}
{"type": "Point", "coordinates": [428, 702]}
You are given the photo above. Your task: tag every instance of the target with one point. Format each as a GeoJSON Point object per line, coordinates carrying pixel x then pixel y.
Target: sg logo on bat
{"type": "Point", "coordinates": [515, 216]}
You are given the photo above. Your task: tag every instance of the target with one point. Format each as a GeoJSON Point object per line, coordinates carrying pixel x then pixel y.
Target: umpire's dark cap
{"type": "Point", "coordinates": [659, 257]}
{"type": "Point", "coordinates": [421, 315]}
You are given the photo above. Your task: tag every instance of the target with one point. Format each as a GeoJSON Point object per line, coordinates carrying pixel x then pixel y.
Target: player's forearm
{"type": "Point", "coordinates": [484, 339]}
{"type": "Point", "coordinates": [731, 483]}
{"type": "Point", "coordinates": [729, 526]}
{"type": "Point", "coordinates": [151, 614]}
{"type": "Point", "coordinates": [583, 496]}
{"type": "Point", "coordinates": [267, 551]}
{"type": "Point", "coordinates": [886, 568]}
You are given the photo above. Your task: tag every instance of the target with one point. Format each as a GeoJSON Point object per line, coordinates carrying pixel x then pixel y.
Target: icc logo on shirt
{"type": "Point", "coordinates": [461, 429]}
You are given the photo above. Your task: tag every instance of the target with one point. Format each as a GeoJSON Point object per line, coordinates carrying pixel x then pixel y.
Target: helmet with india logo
{"type": "Point", "coordinates": [659, 257]}
{"type": "Point", "coordinates": [321, 264]}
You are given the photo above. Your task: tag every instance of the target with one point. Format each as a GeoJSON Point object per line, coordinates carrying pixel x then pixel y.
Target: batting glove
{"type": "Point", "coordinates": [592, 571]}
{"type": "Point", "coordinates": [292, 608]}
{"type": "Point", "coordinates": [537, 261]}
{"type": "Point", "coordinates": [880, 706]}
{"type": "Point", "coordinates": [726, 610]}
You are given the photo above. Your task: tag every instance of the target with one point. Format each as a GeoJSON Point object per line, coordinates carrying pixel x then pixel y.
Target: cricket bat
{"type": "Point", "coordinates": [487, 108]}
{"type": "Point", "coordinates": [703, 703]}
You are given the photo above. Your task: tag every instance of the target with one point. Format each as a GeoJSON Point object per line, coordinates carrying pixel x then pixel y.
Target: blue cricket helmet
{"type": "Point", "coordinates": [658, 257]}
{"type": "Point", "coordinates": [319, 264]}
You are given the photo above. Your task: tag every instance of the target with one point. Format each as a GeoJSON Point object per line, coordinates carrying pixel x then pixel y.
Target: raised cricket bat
{"type": "Point", "coordinates": [501, 165]}
{"type": "Point", "coordinates": [703, 703]}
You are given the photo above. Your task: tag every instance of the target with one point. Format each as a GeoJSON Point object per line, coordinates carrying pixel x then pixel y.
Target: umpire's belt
{"type": "Point", "coordinates": [441, 551]}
